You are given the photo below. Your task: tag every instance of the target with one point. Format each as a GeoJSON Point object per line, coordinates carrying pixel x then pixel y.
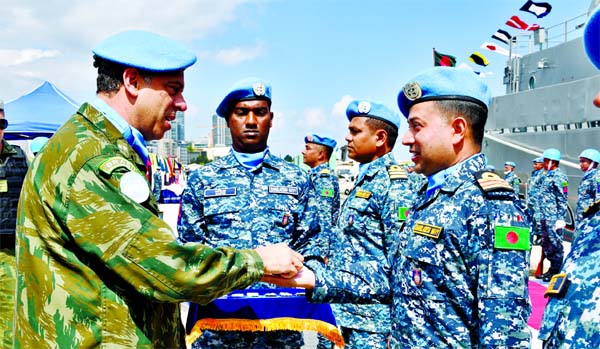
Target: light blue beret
{"type": "Point", "coordinates": [328, 142]}
{"type": "Point", "coordinates": [144, 50]}
{"type": "Point", "coordinates": [246, 89]}
{"type": "Point", "coordinates": [372, 110]}
{"type": "Point", "coordinates": [444, 83]}
{"type": "Point", "coordinates": [552, 154]}
{"type": "Point", "coordinates": [591, 38]}
{"type": "Point", "coordinates": [539, 159]}
{"type": "Point", "coordinates": [510, 163]}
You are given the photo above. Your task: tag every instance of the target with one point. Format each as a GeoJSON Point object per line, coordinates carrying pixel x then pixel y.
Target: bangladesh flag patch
{"type": "Point", "coordinates": [327, 193]}
{"type": "Point", "coordinates": [511, 238]}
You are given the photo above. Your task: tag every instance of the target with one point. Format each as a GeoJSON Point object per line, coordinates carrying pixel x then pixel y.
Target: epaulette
{"type": "Point", "coordinates": [494, 186]}
{"type": "Point", "coordinates": [397, 172]}
{"type": "Point", "coordinates": [324, 171]}
{"type": "Point", "coordinates": [591, 209]}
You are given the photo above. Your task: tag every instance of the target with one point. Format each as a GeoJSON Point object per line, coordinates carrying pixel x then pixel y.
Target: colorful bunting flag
{"type": "Point", "coordinates": [444, 60]}
{"type": "Point", "coordinates": [517, 23]}
{"type": "Point", "coordinates": [539, 9]}
{"type": "Point", "coordinates": [502, 35]}
{"type": "Point", "coordinates": [495, 48]}
{"type": "Point", "coordinates": [479, 59]}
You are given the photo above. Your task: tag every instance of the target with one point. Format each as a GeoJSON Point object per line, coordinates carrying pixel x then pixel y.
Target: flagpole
{"type": "Point", "coordinates": [433, 54]}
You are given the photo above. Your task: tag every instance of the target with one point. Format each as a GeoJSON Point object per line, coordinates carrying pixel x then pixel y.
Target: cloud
{"type": "Point", "coordinates": [339, 108]}
{"type": "Point", "coordinates": [18, 57]}
{"type": "Point", "coordinates": [236, 55]}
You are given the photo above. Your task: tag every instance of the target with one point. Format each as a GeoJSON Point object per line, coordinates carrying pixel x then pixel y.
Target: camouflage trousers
{"type": "Point", "coordinates": [7, 296]}
{"type": "Point", "coordinates": [358, 339]}
{"type": "Point", "coordinates": [250, 340]}
{"type": "Point", "coordinates": [552, 245]}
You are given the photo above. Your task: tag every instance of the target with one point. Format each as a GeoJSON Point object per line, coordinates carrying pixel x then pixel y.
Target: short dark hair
{"type": "Point", "coordinates": [110, 75]}
{"type": "Point", "coordinates": [392, 132]}
{"type": "Point", "coordinates": [328, 151]}
{"type": "Point", "coordinates": [475, 114]}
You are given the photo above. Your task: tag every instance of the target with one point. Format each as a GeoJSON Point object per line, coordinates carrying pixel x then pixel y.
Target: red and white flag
{"type": "Point", "coordinates": [493, 47]}
{"type": "Point", "coordinates": [517, 23]}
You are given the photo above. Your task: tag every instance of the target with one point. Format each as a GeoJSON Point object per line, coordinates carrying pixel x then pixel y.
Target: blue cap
{"type": "Point", "coordinates": [591, 38]}
{"type": "Point", "coordinates": [372, 110]}
{"type": "Point", "coordinates": [37, 143]}
{"type": "Point", "coordinates": [444, 83]}
{"type": "Point", "coordinates": [328, 142]}
{"type": "Point", "coordinates": [591, 154]}
{"type": "Point", "coordinates": [538, 159]}
{"type": "Point", "coordinates": [246, 89]}
{"type": "Point", "coordinates": [552, 154]}
{"type": "Point", "coordinates": [510, 163]}
{"type": "Point", "coordinates": [144, 50]}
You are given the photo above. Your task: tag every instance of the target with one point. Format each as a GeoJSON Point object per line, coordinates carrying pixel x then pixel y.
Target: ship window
{"type": "Point", "coordinates": [532, 82]}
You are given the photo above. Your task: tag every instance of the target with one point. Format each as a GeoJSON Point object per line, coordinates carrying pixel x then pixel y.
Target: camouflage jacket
{"type": "Point", "coordinates": [368, 227]}
{"type": "Point", "coordinates": [514, 181]}
{"type": "Point", "coordinates": [95, 268]}
{"type": "Point", "coordinates": [588, 192]}
{"type": "Point", "coordinates": [13, 167]}
{"type": "Point", "coordinates": [552, 197]}
{"type": "Point", "coordinates": [324, 201]}
{"type": "Point", "coordinates": [223, 204]}
{"type": "Point", "coordinates": [572, 319]}
{"type": "Point", "coordinates": [453, 282]}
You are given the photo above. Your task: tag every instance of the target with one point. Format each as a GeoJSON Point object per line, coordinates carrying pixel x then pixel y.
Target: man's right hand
{"type": "Point", "coordinates": [281, 260]}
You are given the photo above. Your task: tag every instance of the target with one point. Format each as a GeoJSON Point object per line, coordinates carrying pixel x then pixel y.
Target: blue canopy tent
{"type": "Point", "coordinates": [39, 113]}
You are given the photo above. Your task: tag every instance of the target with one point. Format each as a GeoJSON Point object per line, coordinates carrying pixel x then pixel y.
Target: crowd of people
{"type": "Point", "coordinates": [434, 254]}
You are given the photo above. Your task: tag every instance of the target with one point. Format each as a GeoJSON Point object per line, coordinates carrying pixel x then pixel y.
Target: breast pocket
{"type": "Point", "coordinates": [421, 271]}
{"type": "Point", "coordinates": [222, 212]}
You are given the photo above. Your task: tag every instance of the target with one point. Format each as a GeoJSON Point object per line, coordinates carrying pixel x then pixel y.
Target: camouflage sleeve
{"type": "Point", "coordinates": [502, 293]}
{"type": "Point", "coordinates": [191, 225]}
{"type": "Point", "coordinates": [561, 197]}
{"type": "Point", "coordinates": [309, 236]}
{"type": "Point", "coordinates": [119, 236]}
{"type": "Point", "coordinates": [335, 207]}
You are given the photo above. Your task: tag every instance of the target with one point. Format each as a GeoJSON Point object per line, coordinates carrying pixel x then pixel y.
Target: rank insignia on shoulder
{"type": "Point", "coordinates": [397, 172]}
{"type": "Point", "coordinates": [324, 171]}
{"type": "Point", "coordinates": [417, 277]}
{"type": "Point", "coordinates": [109, 165]}
{"type": "Point", "coordinates": [490, 182]}
{"type": "Point", "coordinates": [431, 231]}
{"type": "Point", "coordinates": [363, 194]}
{"type": "Point", "coordinates": [558, 286]}
{"type": "Point", "coordinates": [280, 189]}
{"type": "Point", "coordinates": [511, 238]}
{"type": "Point", "coordinates": [590, 210]}
{"type": "Point", "coordinates": [327, 192]}
{"type": "Point", "coordinates": [219, 192]}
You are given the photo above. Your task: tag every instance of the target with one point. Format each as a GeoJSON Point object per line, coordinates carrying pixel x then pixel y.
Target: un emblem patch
{"type": "Point", "coordinates": [259, 89]}
{"type": "Point", "coordinates": [412, 91]}
{"type": "Point", "coordinates": [364, 107]}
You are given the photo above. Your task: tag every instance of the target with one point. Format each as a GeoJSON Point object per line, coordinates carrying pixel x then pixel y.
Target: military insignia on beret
{"type": "Point", "coordinates": [364, 107]}
{"type": "Point", "coordinates": [412, 91]}
{"type": "Point", "coordinates": [428, 230]}
{"type": "Point", "coordinates": [397, 172]}
{"type": "Point", "coordinates": [259, 88]}
{"type": "Point", "coordinates": [363, 194]}
{"type": "Point", "coordinates": [490, 182]}
{"type": "Point", "coordinates": [417, 277]}
{"type": "Point", "coordinates": [558, 286]}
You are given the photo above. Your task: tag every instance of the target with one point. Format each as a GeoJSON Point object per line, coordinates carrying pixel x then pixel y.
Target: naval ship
{"type": "Point", "coordinates": [548, 102]}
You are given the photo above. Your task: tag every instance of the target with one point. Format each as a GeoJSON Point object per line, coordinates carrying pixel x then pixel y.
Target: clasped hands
{"type": "Point", "coordinates": [284, 267]}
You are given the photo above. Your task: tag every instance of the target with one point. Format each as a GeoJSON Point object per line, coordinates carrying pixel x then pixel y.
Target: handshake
{"type": "Point", "coordinates": [284, 267]}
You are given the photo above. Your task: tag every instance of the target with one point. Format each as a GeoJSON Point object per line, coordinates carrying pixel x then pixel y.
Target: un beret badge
{"type": "Point", "coordinates": [412, 91]}
{"type": "Point", "coordinates": [259, 89]}
{"type": "Point", "coordinates": [364, 107]}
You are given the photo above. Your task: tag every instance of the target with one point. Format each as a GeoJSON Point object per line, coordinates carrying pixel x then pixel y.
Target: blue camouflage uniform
{"type": "Point", "coordinates": [368, 226]}
{"type": "Point", "coordinates": [324, 198]}
{"type": "Point", "coordinates": [552, 203]}
{"type": "Point", "coordinates": [513, 180]}
{"type": "Point", "coordinates": [588, 191]}
{"type": "Point", "coordinates": [225, 204]}
{"type": "Point", "coordinates": [533, 190]}
{"type": "Point", "coordinates": [453, 281]}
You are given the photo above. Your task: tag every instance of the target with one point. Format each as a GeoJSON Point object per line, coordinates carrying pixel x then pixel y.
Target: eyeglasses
{"type": "Point", "coordinates": [3, 124]}
{"type": "Point", "coordinates": [260, 111]}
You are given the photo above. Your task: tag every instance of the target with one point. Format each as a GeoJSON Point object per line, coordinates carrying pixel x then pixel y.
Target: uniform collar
{"type": "Point", "coordinates": [450, 179]}
{"type": "Point", "coordinates": [375, 166]}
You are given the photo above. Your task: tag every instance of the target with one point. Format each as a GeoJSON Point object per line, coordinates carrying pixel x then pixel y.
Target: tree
{"type": "Point", "coordinates": [288, 158]}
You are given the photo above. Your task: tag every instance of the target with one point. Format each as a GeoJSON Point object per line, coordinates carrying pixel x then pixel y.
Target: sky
{"type": "Point", "coordinates": [317, 54]}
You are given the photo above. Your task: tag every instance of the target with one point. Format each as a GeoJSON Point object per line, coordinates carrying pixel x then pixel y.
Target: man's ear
{"type": "Point", "coordinates": [460, 128]}
{"type": "Point", "coordinates": [381, 138]}
{"type": "Point", "coordinates": [132, 81]}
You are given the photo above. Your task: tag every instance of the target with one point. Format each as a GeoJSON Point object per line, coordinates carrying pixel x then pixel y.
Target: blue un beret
{"type": "Point", "coordinates": [146, 51]}
{"type": "Point", "coordinates": [538, 159]}
{"type": "Point", "coordinates": [591, 38]}
{"type": "Point", "coordinates": [246, 89]}
{"type": "Point", "coordinates": [444, 83]}
{"type": "Point", "coordinates": [328, 142]}
{"type": "Point", "coordinates": [372, 110]}
{"type": "Point", "coordinates": [510, 163]}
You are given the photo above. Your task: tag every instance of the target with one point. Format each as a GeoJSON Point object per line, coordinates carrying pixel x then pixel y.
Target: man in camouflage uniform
{"type": "Point", "coordinates": [96, 267]}
{"type": "Point", "coordinates": [572, 315]}
{"type": "Point", "coordinates": [417, 180]}
{"type": "Point", "coordinates": [510, 177]}
{"type": "Point", "coordinates": [13, 167]}
{"type": "Point", "coordinates": [590, 184]}
{"type": "Point", "coordinates": [533, 190]}
{"type": "Point", "coordinates": [248, 198]}
{"type": "Point", "coordinates": [370, 216]}
{"type": "Point", "coordinates": [458, 278]}
{"type": "Point", "coordinates": [552, 203]}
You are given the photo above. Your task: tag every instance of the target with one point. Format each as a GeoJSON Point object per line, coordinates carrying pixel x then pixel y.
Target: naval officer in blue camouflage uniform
{"type": "Point", "coordinates": [510, 177]}
{"type": "Point", "coordinates": [249, 198]}
{"type": "Point", "coordinates": [572, 316]}
{"type": "Point", "coordinates": [458, 278]}
{"type": "Point", "coordinates": [589, 187]}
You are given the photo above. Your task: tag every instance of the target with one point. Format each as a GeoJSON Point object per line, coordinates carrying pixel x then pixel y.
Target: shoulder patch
{"type": "Point", "coordinates": [397, 172]}
{"type": "Point", "coordinates": [109, 165]}
{"type": "Point", "coordinates": [490, 182]}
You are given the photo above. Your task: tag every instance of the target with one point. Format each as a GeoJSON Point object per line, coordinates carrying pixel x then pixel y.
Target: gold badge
{"type": "Point", "coordinates": [558, 286]}
{"type": "Point", "coordinates": [412, 91]}
{"type": "Point", "coordinates": [364, 107]}
{"type": "Point", "coordinates": [259, 88]}
{"type": "Point", "coordinates": [363, 194]}
{"type": "Point", "coordinates": [431, 231]}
